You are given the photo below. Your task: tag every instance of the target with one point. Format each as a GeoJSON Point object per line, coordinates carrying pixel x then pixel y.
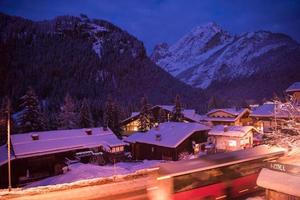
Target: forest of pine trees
{"type": "Point", "coordinates": [111, 116]}
{"type": "Point", "coordinates": [34, 115]}
{"type": "Point", "coordinates": [146, 119]}
{"type": "Point", "coordinates": [177, 115]}
{"type": "Point", "coordinates": [31, 115]}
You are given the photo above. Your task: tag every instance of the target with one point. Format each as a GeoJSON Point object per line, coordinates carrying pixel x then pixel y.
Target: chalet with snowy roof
{"type": "Point", "coordinates": [130, 125]}
{"type": "Point", "coordinates": [265, 118]}
{"type": "Point", "coordinates": [294, 90]}
{"type": "Point", "coordinates": [229, 116]}
{"type": "Point", "coordinates": [43, 154]}
{"type": "Point", "coordinates": [281, 178]}
{"type": "Point", "coordinates": [167, 141]}
{"type": "Point", "coordinates": [230, 138]}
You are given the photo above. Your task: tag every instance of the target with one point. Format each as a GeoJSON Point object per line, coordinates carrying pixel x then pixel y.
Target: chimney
{"type": "Point", "coordinates": [225, 128]}
{"type": "Point", "coordinates": [88, 131]}
{"type": "Point", "coordinates": [35, 136]}
{"type": "Point", "coordinates": [158, 137]}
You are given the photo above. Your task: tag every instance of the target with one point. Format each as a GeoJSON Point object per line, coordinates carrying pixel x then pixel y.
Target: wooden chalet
{"type": "Point", "coordinates": [230, 138]}
{"type": "Point", "coordinates": [294, 90]}
{"type": "Point", "coordinates": [266, 119]}
{"type": "Point", "coordinates": [229, 116]}
{"type": "Point", "coordinates": [167, 141]}
{"type": "Point", "coordinates": [38, 155]}
{"type": "Point", "coordinates": [130, 125]}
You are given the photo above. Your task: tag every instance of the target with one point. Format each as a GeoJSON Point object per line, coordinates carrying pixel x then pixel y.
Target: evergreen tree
{"type": "Point", "coordinates": [31, 116]}
{"type": "Point", "coordinates": [116, 119]}
{"type": "Point", "coordinates": [108, 113]}
{"type": "Point", "coordinates": [85, 117]}
{"type": "Point", "coordinates": [162, 116]}
{"type": "Point", "coordinates": [145, 119]}
{"type": "Point", "coordinates": [212, 103]}
{"type": "Point", "coordinates": [177, 115]}
{"type": "Point", "coordinates": [111, 116]}
{"type": "Point", "coordinates": [68, 116]}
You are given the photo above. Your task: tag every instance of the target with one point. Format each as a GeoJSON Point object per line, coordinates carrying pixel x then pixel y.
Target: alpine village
{"type": "Point", "coordinates": [86, 114]}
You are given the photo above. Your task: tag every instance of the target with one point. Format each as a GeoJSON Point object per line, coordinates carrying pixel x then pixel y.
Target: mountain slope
{"type": "Point", "coordinates": [210, 58]}
{"type": "Point", "coordinates": [83, 57]}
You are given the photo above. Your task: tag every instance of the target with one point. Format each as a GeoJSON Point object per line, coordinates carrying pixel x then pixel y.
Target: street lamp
{"type": "Point", "coordinates": [8, 145]}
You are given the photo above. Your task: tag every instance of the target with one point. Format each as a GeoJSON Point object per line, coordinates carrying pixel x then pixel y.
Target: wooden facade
{"type": "Point", "coordinates": [230, 117]}
{"type": "Point", "coordinates": [231, 138]}
{"type": "Point", "coordinates": [47, 155]}
{"type": "Point", "coordinates": [131, 124]}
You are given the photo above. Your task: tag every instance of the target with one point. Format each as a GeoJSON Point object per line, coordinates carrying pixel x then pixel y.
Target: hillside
{"type": "Point", "coordinates": [85, 58]}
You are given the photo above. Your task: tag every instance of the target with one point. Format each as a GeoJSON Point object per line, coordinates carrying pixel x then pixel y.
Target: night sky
{"type": "Point", "coordinates": [154, 21]}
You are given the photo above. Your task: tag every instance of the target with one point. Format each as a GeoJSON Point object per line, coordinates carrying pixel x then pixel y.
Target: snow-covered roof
{"type": "Point", "coordinates": [295, 87]}
{"type": "Point", "coordinates": [232, 111]}
{"type": "Point", "coordinates": [133, 114]}
{"type": "Point", "coordinates": [188, 113]}
{"type": "Point", "coordinates": [237, 113]}
{"type": "Point", "coordinates": [232, 131]}
{"type": "Point", "coordinates": [3, 155]}
{"type": "Point", "coordinates": [265, 110]}
{"type": "Point", "coordinates": [279, 181]}
{"type": "Point", "coordinates": [223, 119]}
{"type": "Point", "coordinates": [171, 133]}
{"type": "Point", "coordinates": [61, 141]}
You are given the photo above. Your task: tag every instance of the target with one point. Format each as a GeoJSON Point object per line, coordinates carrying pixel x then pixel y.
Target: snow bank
{"type": "Point", "coordinates": [81, 175]}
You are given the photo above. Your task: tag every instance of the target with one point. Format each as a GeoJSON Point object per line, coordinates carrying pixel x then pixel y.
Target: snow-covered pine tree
{"type": "Point", "coordinates": [162, 116]}
{"type": "Point", "coordinates": [146, 119]}
{"type": "Point", "coordinates": [111, 116]}
{"type": "Point", "coordinates": [68, 116]}
{"type": "Point", "coordinates": [85, 116]}
{"type": "Point", "coordinates": [31, 115]}
{"type": "Point", "coordinates": [212, 103]}
{"type": "Point", "coordinates": [177, 115]}
{"type": "Point", "coordinates": [108, 113]}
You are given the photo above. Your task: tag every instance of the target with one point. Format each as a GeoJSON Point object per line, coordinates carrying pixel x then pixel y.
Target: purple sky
{"type": "Point", "coordinates": [154, 21]}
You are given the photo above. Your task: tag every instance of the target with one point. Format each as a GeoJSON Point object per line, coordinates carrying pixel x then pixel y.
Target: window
{"type": "Point", "coordinates": [232, 143]}
{"type": "Point", "coordinates": [198, 179]}
{"type": "Point", "coordinates": [117, 149]}
{"type": "Point", "coordinates": [212, 176]}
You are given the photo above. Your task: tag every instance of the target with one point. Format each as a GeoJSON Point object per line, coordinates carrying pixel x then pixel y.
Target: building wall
{"type": "Point", "coordinates": [297, 96]}
{"type": "Point", "coordinates": [131, 127]}
{"type": "Point", "coordinates": [274, 195]}
{"type": "Point", "coordinates": [221, 114]}
{"type": "Point", "coordinates": [225, 143]}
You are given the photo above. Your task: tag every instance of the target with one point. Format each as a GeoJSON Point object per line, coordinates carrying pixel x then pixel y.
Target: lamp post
{"type": "Point", "coordinates": [8, 145]}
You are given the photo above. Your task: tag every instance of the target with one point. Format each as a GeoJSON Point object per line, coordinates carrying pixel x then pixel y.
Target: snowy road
{"type": "Point", "coordinates": [132, 189]}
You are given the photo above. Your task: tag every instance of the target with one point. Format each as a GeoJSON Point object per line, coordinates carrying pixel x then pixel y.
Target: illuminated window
{"type": "Point", "coordinates": [232, 143]}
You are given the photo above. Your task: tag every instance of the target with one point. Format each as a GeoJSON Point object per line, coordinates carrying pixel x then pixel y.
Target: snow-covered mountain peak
{"type": "Point", "coordinates": [200, 43]}
{"type": "Point", "coordinates": [206, 28]}
{"type": "Point", "coordinates": [208, 54]}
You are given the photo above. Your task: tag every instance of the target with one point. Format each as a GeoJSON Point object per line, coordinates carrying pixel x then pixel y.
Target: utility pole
{"type": "Point", "coordinates": [8, 145]}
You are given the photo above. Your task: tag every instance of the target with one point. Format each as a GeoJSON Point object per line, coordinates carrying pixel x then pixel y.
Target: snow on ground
{"type": "Point", "coordinates": [80, 171]}
{"type": "Point", "coordinates": [256, 198]}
